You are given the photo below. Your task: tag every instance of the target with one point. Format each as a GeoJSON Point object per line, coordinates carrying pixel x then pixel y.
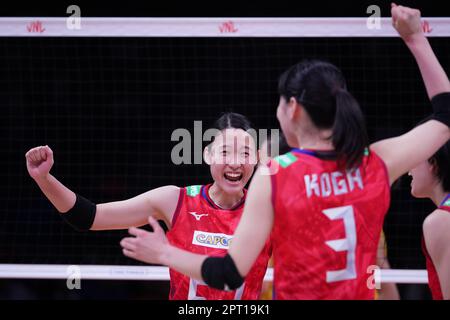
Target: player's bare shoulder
{"type": "Point", "coordinates": [436, 220]}
{"type": "Point", "coordinates": [165, 200]}
{"type": "Point", "coordinates": [436, 227]}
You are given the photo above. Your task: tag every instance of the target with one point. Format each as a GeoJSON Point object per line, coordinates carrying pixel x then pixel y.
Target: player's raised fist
{"type": "Point", "coordinates": [39, 161]}
{"type": "Point", "coordinates": [406, 21]}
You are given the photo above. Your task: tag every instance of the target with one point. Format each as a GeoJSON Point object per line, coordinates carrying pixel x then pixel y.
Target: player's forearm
{"type": "Point", "coordinates": [59, 195]}
{"type": "Point", "coordinates": [433, 75]}
{"type": "Point", "coordinates": [183, 261]}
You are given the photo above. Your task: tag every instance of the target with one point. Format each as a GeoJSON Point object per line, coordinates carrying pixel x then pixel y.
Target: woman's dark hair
{"type": "Point", "coordinates": [231, 120]}
{"type": "Point", "coordinates": [321, 89]}
{"type": "Point", "coordinates": [441, 162]}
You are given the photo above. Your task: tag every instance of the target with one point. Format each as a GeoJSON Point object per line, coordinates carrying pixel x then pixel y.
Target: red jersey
{"type": "Point", "coordinates": [200, 226]}
{"type": "Point", "coordinates": [327, 224]}
{"type": "Point", "coordinates": [433, 278]}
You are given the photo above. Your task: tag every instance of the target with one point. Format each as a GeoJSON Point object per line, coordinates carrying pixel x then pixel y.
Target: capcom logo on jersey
{"type": "Point", "coordinates": [211, 240]}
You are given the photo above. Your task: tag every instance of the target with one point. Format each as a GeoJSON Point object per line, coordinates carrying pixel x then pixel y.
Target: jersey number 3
{"type": "Point", "coordinates": [348, 244]}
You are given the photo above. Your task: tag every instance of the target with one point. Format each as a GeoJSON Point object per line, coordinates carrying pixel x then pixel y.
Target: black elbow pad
{"type": "Point", "coordinates": [221, 273]}
{"type": "Point", "coordinates": [81, 216]}
{"type": "Point", "coordinates": [441, 107]}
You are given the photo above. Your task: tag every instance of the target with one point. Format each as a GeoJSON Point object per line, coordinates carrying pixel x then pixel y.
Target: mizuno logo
{"type": "Point", "coordinates": [198, 216]}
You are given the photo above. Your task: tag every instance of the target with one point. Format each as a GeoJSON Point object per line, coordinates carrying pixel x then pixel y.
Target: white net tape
{"type": "Point", "coordinates": [211, 27]}
{"type": "Point", "coordinates": [96, 272]}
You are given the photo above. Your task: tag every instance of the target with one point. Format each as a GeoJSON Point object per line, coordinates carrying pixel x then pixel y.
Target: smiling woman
{"type": "Point", "coordinates": [207, 214]}
{"type": "Point", "coordinates": [232, 157]}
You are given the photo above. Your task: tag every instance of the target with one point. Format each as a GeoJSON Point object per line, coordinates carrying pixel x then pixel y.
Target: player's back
{"type": "Point", "coordinates": [327, 225]}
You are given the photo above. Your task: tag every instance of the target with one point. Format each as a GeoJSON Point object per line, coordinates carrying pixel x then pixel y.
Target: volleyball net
{"type": "Point", "coordinates": [108, 96]}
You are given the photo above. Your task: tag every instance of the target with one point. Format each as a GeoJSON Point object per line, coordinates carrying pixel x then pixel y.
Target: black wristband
{"type": "Point", "coordinates": [441, 107]}
{"type": "Point", "coordinates": [221, 273]}
{"type": "Point", "coordinates": [82, 215]}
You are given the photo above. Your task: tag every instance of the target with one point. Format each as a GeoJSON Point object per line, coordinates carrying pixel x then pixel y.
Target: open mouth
{"type": "Point", "coordinates": [233, 176]}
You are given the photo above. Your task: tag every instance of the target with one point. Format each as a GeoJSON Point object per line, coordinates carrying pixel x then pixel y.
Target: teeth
{"type": "Point", "coordinates": [234, 175]}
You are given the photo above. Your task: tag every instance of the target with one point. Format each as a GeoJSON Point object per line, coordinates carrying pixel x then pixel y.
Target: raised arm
{"type": "Point", "coordinates": [407, 22]}
{"type": "Point", "coordinates": [403, 153]}
{"type": "Point", "coordinates": [159, 203]}
{"type": "Point", "coordinates": [256, 223]}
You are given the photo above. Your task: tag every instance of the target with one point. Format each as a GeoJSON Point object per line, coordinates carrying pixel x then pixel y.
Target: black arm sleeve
{"type": "Point", "coordinates": [81, 216]}
{"type": "Point", "coordinates": [221, 273]}
{"type": "Point", "coordinates": [441, 107]}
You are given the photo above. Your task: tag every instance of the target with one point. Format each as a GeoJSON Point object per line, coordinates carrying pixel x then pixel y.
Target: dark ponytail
{"type": "Point", "coordinates": [350, 137]}
{"type": "Point", "coordinates": [321, 89]}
